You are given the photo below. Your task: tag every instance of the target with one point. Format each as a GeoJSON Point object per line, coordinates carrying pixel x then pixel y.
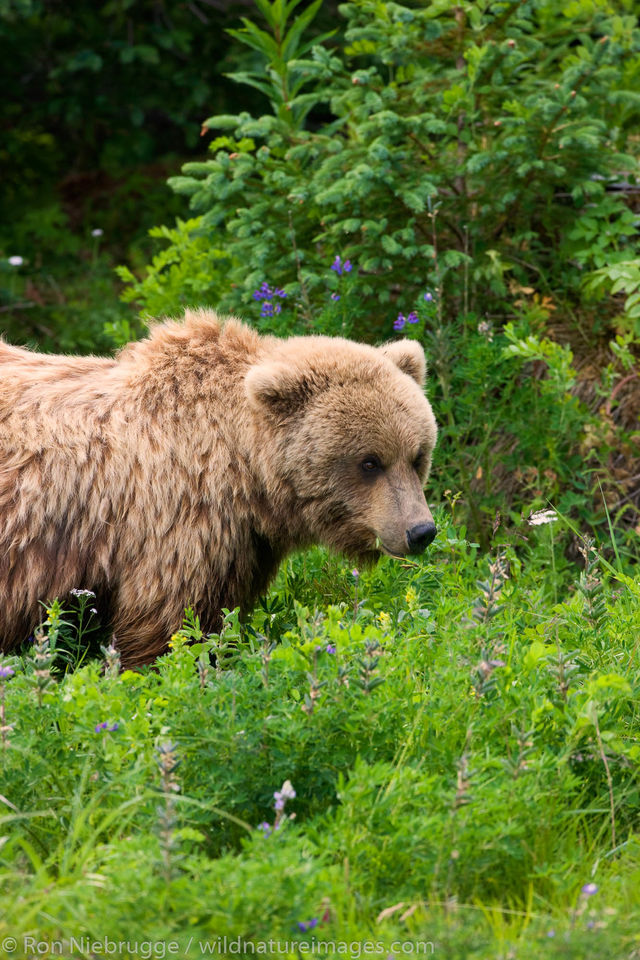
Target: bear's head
{"type": "Point", "coordinates": [345, 432]}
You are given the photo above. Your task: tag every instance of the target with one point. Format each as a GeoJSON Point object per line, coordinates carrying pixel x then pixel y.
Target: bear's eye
{"type": "Point", "coordinates": [417, 463]}
{"type": "Point", "coordinates": [370, 465]}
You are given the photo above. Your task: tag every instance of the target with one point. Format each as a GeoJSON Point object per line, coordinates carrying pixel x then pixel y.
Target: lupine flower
{"type": "Point", "coordinates": [286, 792]}
{"type": "Point", "coordinates": [268, 309]}
{"type": "Point", "coordinates": [486, 330]}
{"type": "Point", "coordinates": [412, 317]}
{"type": "Point", "coordinates": [328, 649]}
{"type": "Point", "coordinates": [267, 295]}
{"type": "Point", "coordinates": [400, 322]}
{"type": "Point", "coordinates": [589, 889]}
{"type": "Point", "coordinates": [16, 261]}
{"type": "Point", "coordinates": [428, 297]}
{"type": "Point", "coordinates": [105, 725]}
{"type": "Point", "coordinates": [305, 925]}
{"type": "Point", "coordinates": [335, 296]}
{"type": "Point", "coordinates": [265, 292]}
{"type": "Point", "coordinates": [6, 672]}
{"type": "Point", "coordinates": [341, 267]}
{"type": "Point", "coordinates": [355, 573]}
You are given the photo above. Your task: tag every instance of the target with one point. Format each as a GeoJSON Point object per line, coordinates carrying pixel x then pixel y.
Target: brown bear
{"type": "Point", "coordinates": [182, 471]}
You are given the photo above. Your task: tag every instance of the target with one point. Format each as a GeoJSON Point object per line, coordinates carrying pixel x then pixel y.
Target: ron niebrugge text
{"type": "Point", "coordinates": [81, 946]}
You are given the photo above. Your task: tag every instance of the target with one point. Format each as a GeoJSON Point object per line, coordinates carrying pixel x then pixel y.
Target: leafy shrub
{"type": "Point", "coordinates": [187, 273]}
{"type": "Point", "coordinates": [461, 145]}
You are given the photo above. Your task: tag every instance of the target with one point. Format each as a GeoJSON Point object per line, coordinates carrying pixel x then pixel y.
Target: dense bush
{"type": "Point", "coordinates": [468, 148]}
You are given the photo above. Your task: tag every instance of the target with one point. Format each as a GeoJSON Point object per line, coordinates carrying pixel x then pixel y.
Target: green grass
{"type": "Point", "coordinates": [464, 763]}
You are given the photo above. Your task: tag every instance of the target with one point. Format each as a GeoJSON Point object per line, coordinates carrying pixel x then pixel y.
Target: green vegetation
{"type": "Point", "coordinates": [468, 147]}
{"type": "Point", "coordinates": [461, 733]}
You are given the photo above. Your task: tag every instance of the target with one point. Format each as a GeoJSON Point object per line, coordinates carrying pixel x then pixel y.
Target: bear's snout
{"type": "Point", "coordinates": [420, 536]}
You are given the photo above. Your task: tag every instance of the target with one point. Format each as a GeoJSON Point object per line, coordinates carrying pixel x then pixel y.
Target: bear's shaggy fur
{"type": "Point", "coordinates": [182, 471]}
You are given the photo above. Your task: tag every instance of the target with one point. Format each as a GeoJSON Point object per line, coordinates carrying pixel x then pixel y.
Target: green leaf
{"type": "Point", "coordinates": [256, 38]}
{"type": "Point", "coordinates": [292, 38]}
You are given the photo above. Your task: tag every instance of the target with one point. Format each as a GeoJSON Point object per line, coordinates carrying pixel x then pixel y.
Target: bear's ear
{"type": "Point", "coordinates": [278, 387]}
{"type": "Point", "coordinates": [408, 355]}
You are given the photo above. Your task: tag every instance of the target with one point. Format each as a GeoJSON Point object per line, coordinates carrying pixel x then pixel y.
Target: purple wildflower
{"type": "Point", "coordinates": [268, 309]}
{"type": "Point", "coordinates": [400, 322]}
{"type": "Point", "coordinates": [341, 266]}
{"type": "Point", "coordinates": [105, 725]}
{"type": "Point", "coordinates": [305, 925]}
{"type": "Point", "coordinates": [6, 672]}
{"type": "Point", "coordinates": [428, 297]}
{"type": "Point", "coordinates": [265, 292]}
{"type": "Point", "coordinates": [286, 791]}
{"type": "Point", "coordinates": [330, 648]}
{"type": "Point", "coordinates": [281, 796]}
{"type": "Point", "coordinates": [589, 889]}
{"type": "Point", "coordinates": [355, 573]}
{"type": "Point", "coordinates": [412, 317]}
{"type": "Point", "coordinates": [335, 296]}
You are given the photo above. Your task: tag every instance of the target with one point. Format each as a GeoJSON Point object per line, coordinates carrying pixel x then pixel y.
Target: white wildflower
{"type": "Point", "coordinates": [542, 516]}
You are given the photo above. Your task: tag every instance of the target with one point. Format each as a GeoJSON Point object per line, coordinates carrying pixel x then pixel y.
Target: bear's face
{"type": "Point", "coordinates": [351, 434]}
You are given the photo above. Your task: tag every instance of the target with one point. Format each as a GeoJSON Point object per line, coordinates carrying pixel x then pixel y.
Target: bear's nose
{"type": "Point", "coordinates": [420, 536]}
